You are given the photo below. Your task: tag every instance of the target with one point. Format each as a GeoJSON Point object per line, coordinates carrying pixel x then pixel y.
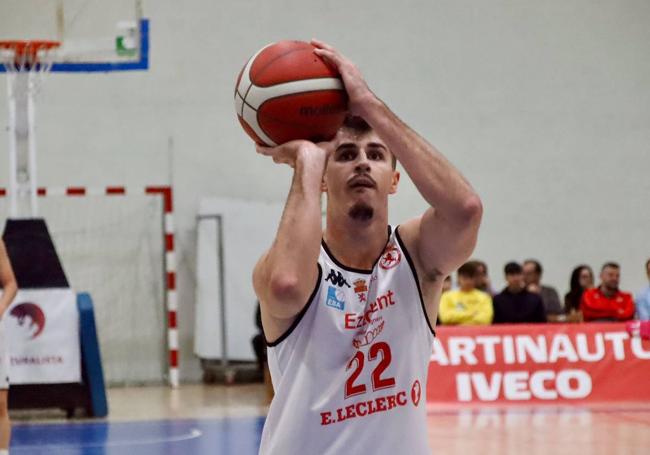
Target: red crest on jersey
{"type": "Point", "coordinates": [360, 286]}
{"type": "Point", "coordinates": [390, 258]}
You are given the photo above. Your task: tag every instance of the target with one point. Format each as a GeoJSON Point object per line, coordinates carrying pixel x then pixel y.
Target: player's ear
{"type": "Point", "coordinates": [394, 181]}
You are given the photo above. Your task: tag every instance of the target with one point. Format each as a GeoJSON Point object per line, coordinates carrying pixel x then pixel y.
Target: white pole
{"type": "Point", "coordinates": [13, 157]}
{"type": "Point", "coordinates": [31, 122]}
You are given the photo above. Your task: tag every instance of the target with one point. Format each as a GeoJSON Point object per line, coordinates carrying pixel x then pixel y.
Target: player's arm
{"type": "Point", "coordinates": [445, 235]}
{"type": "Point", "coordinates": [7, 280]}
{"type": "Point", "coordinates": [286, 275]}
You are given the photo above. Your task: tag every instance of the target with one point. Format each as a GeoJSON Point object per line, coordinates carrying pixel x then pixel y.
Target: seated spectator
{"type": "Point", "coordinates": [482, 278]}
{"type": "Point", "coordinates": [550, 298]}
{"type": "Point", "coordinates": [643, 299]}
{"type": "Point", "coordinates": [582, 278]}
{"type": "Point", "coordinates": [607, 302]}
{"type": "Point", "coordinates": [515, 304]}
{"type": "Point", "coordinates": [466, 305]}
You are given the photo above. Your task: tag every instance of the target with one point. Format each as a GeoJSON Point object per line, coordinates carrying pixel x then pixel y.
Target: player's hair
{"type": "Point", "coordinates": [360, 126]}
{"type": "Point", "coordinates": [647, 263]}
{"type": "Point", "coordinates": [468, 270]}
{"type": "Point", "coordinates": [538, 267]}
{"type": "Point", "coordinates": [610, 265]}
{"type": "Point", "coordinates": [512, 268]}
{"type": "Point", "coordinates": [356, 123]}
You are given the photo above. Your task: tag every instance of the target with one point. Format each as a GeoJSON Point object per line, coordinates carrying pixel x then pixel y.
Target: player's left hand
{"type": "Point", "coordinates": [358, 91]}
{"type": "Point", "coordinates": [292, 151]}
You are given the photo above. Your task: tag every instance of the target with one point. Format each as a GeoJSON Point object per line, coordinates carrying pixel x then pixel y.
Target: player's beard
{"type": "Point", "coordinates": [361, 212]}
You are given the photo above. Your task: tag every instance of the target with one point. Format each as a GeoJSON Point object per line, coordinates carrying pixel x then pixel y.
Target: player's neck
{"type": "Point", "coordinates": [356, 244]}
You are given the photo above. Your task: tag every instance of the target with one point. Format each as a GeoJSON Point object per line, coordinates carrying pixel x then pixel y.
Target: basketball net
{"type": "Point", "coordinates": [26, 64]}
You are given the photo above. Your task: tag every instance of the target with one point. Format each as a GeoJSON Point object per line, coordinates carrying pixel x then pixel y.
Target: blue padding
{"type": "Point", "coordinates": [91, 357]}
{"type": "Point", "coordinates": [105, 67]}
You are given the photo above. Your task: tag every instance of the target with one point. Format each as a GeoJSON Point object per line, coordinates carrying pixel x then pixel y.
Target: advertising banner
{"type": "Point", "coordinates": [41, 336]}
{"type": "Point", "coordinates": [537, 363]}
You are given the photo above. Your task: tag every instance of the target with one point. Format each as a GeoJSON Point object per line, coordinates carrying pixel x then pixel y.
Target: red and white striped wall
{"type": "Point", "coordinates": [166, 193]}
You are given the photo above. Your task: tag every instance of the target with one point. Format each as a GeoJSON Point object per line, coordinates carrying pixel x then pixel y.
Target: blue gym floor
{"type": "Point", "coordinates": [223, 436]}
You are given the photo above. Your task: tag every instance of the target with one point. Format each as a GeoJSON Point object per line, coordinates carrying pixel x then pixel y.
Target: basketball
{"type": "Point", "coordinates": [286, 92]}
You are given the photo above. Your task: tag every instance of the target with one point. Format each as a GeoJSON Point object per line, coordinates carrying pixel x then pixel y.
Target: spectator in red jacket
{"type": "Point", "coordinates": [607, 302]}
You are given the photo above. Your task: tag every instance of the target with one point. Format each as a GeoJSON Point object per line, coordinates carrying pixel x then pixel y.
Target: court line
{"type": "Point", "coordinates": [193, 434]}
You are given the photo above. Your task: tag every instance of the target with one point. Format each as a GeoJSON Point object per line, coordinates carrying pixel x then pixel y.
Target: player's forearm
{"type": "Point", "coordinates": [439, 182]}
{"type": "Point", "coordinates": [294, 252]}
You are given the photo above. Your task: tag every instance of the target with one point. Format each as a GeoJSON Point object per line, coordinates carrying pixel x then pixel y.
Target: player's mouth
{"type": "Point", "coordinates": [361, 181]}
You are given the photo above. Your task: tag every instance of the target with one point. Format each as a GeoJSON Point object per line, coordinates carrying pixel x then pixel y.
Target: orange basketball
{"type": "Point", "coordinates": [286, 92]}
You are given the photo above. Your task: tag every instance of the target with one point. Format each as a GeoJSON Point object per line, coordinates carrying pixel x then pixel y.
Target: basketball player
{"type": "Point", "coordinates": [348, 312]}
{"type": "Point", "coordinates": [9, 289]}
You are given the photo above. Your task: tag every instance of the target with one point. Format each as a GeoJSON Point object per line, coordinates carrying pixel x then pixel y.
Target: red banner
{"type": "Point", "coordinates": [538, 364]}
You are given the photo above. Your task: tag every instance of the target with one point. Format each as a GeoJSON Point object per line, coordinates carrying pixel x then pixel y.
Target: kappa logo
{"type": "Point", "coordinates": [390, 258]}
{"type": "Point", "coordinates": [337, 279]}
{"type": "Point", "coordinates": [335, 298]}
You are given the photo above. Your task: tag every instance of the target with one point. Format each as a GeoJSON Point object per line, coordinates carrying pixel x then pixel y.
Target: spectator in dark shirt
{"type": "Point", "coordinates": [515, 304]}
{"type": "Point", "coordinates": [550, 298]}
{"type": "Point", "coordinates": [582, 278]}
{"type": "Point", "coordinates": [607, 302]}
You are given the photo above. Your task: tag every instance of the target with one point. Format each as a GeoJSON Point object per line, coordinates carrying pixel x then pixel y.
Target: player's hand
{"type": "Point", "coordinates": [358, 91]}
{"type": "Point", "coordinates": [292, 151]}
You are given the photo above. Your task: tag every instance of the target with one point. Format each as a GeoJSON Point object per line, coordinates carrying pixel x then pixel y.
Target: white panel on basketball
{"type": "Point", "coordinates": [258, 95]}
{"type": "Point", "coordinates": [112, 247]}
{"type": "Point", "coordinates": [249, 97]}
{"type": "Point", "coordinates": [250, 117]}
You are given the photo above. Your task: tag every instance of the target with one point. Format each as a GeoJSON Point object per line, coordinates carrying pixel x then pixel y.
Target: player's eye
{"type": "Point", "coordinates": [375, 155]}
{"type": "Point", "coordinates": [347, 155]}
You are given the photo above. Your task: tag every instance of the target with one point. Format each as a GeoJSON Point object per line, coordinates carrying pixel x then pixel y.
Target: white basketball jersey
{"type": "Point", "coordinates": [350, 373]}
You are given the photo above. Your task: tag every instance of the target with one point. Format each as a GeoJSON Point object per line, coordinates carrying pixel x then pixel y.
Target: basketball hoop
{"type": "Point", "coordinates": [26, 64]}
{"type": "Point", "coordinates": [34, 56]}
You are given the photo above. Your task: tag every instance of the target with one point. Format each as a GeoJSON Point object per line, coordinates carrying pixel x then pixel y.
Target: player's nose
{"type": "Point", "coordinates": [363, 163]}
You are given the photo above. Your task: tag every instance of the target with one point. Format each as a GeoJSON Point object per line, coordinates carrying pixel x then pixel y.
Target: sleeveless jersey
{"type": "Point", "coordinates": [350, 373]}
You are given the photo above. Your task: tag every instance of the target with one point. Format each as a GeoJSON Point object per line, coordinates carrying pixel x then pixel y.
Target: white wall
{"type": "Point", "coordinates": [545, 107]}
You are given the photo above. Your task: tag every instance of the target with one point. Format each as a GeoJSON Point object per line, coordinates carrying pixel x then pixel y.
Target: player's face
{"type": "Point", "coordinates": [359, 171]}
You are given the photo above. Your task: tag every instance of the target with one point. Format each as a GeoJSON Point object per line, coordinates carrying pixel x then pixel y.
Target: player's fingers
{"type": "Point", "coordinates": [330, 57]}
{"type": "Point", "coordinates": [321, 44]}
{"type": "Point", "coordinates": [263, 150]}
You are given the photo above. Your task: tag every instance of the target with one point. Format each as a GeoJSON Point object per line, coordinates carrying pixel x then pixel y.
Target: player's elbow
{"type": "Point", "coordinates": [471, 209]}
{"type": "Point", "coordinates": [284, 287]}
